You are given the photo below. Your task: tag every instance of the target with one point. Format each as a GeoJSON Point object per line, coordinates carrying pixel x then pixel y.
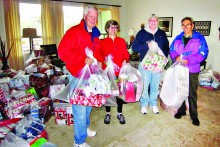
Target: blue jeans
{"type": "Point", "coordinates": [81, 118]}
{"type": "Point", "coordinates": [151, 80]}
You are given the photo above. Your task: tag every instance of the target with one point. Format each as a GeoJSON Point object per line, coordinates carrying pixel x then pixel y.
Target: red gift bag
{"type": "Point", "coordinates": [130, 92]}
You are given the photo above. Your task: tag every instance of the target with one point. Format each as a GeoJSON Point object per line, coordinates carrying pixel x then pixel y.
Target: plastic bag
{"type": "Point", "coordinates": [154, 60]}
{"type": "Point", "coordinates": [64, 94]}
{"type": "Point", "coordinates": [29, 128]}
{"type": "Point", "coordinates": [55, 89]}
{"type": "Point", "coordinates": [93, 87]}
{"type": "Point", "coordinates": [110, 73]}
{"type": "Point", "coordinates": [11, 140]}
{"type": "Point", "coordinates": [130, 83]}
{"type": "Point", "coordinates": [175, 88]}
{"type": "Point", "coordinates": [208, 80]}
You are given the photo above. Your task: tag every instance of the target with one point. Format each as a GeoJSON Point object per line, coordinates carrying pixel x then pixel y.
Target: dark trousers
{"type": "Point", "coordinates": [192, 99]}
{"type": "Point", "coordinates": [120, 103]}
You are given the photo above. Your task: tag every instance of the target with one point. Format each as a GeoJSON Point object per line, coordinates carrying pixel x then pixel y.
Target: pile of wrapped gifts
{"type": "Point", "coordinates": [209, 79]}
{"type": "Point", "coordinates": [26, 104]}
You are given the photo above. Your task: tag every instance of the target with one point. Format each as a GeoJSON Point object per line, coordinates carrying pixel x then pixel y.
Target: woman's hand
{"type": "Point", "coordinates": [100, 64]}
{"type": "Point", "coordinates": [124, 62]}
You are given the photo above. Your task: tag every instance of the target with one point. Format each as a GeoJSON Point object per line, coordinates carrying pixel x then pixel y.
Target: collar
{"type": "Point", "coordinates": [149, 30]}
{"type": "Point", "coordinates": [95, 31]}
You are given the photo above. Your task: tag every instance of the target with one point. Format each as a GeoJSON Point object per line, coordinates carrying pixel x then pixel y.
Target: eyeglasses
{"type": "Point", "coordinates": [187, 25]}
{"type": "Point", "coordinates": [114, 27]}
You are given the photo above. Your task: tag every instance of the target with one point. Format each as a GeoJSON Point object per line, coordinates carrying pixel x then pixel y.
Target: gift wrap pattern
{"type": "Point", "coordinates": [96, 100]}
{"type": "Point", "coordinates": [154, 62]}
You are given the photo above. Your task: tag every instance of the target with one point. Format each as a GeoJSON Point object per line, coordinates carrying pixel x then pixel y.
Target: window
{"type": "Point", "coordinates": [30, 17]}
{"type": "Point", "coordinates": [72, 16]}
{"type": "Point", "coordinates": [104, 15]}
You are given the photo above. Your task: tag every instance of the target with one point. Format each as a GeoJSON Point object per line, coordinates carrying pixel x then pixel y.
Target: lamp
{"type": "Point", "coordinates": [132, 33]}
{"type": "Point", "coordinates": [30, 33]}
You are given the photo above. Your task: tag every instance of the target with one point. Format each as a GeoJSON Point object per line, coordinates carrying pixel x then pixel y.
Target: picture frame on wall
{"type": "Point", "coordinates": [202, 27]}
{"type": "Point", "coordinates": [166, 24]}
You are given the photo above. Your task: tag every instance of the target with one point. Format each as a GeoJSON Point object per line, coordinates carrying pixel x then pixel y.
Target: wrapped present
{"type": "Point", "coordinates": [16, 104]}
{"type": "Point", "coordinates": [29, 128]}
{"type": "Point", "coordinates": [39, 52]}
{"type": "Point", "coordinates": [2, 97]}
{"type": "Point", "coordinates": [32, 91]}
{"type": "Point", "coordinates": [41, 84]}
{"type": "Point", "coordinates": [57, 80]}
{"type": "Point", "coordinates": [154, 62]}
{"type": "Point", "coordinates": [63, 114]}
{"type": "Point", "coordinates": [96, 100]}
{"type": "Point", "coordinates": [46, 110]}
{"type": "Point", "coordinates": [37, 61]}
{"type": "Point", "coordinates": [6, 90]}
{"type": "Point", "coordinates": [70, 120]}
{"type": "Point", "coordinates": [19, 82]}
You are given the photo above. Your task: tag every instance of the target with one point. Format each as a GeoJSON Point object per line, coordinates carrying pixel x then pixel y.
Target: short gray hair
{"type": "Point", "coordinates": [87, 8]}
{"type": "Point", "coordinates": [153, 16]}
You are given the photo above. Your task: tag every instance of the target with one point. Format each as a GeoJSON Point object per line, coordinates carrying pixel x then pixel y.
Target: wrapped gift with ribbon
{"type": "Point", "coordinates": [154, 60]}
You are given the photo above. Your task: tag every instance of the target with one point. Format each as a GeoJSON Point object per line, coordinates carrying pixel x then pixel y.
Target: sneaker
{"type": "Point", "coordinates": [107, 119]}
{"type": "Point", "coordinates": [121, 118]}
{"type": "Point", "coordinates": [144, 110]}
{"type": "Point", "coordinates": [178, 115]}
{"type": "Point", "coordinates": [81, 145]}
{"type": "Point", "coordinates": [154, 109]}
{"type": "Point", "coordinates": [90, 133]}
{"type": "Point", "coordinates": [196, 122]}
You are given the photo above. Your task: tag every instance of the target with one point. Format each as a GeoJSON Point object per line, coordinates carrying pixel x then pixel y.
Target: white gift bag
{"type": "Point", "coordinates": [175, 88]}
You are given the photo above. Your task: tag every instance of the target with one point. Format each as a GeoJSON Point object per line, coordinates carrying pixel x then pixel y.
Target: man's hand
{"type": "Point", "coordinates": [181, 61]}
{"type": "Point", "coordinates": [89, 60]}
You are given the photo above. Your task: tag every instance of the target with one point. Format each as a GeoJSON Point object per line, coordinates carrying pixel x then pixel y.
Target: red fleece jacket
{"type": "Point", "coordinates": [116, 48]}
{"type": "Point", "coordinates": [72, 47]}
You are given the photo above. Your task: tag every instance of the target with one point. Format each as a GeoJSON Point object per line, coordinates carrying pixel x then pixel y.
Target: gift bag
{"type": "Point", "coordinates": [130, 92]}
{"type": "Point", "coordinates": [175, 88]}
{"type": "Point", "coordinates": [93, 86]}
{"type": "Point", "coordinates": [130, 83]}
{"type": "Point", "coordinates": [154, 61]}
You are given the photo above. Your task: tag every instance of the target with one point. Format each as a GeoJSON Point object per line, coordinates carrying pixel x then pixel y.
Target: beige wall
{"type": "Point", "coordinates": [135, 12]}
{"type": "Point", "coordinates": [202, 10]}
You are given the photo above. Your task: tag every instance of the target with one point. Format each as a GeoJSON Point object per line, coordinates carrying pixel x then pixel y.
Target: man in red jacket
{"type": "Point", "coordinates": [72, 51]}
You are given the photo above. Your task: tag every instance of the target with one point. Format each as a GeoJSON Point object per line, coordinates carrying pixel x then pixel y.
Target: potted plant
{"type": "Point", "coordinates": [4, 55]}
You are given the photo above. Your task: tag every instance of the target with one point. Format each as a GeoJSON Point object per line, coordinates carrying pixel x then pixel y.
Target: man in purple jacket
{"type": "Point", "coordinates": [190, 49]}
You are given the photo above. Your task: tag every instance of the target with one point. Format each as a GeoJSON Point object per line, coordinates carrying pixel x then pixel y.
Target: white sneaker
{"type": "Point", "coordinates": [144, 110]}
{"type": "Point", "coordinates": [81, 145]}
{"type": "Point", "coordinates": [154, 109]}
{"type": "Point", "coordinates": [90, 133]}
